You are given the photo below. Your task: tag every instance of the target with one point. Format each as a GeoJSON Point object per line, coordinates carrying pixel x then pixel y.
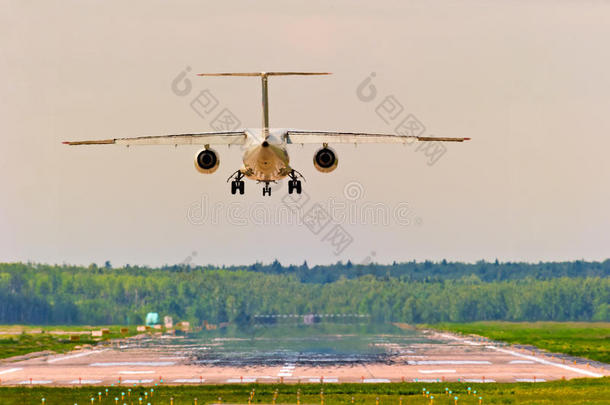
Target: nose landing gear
{"type": "Point", "coordinates": [266, 189]}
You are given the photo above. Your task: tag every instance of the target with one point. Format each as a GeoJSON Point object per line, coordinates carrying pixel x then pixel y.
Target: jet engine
{"type": "Point", "coordinates": [325, 160]}
{"type": "Point", "coordinates": [207, 161]}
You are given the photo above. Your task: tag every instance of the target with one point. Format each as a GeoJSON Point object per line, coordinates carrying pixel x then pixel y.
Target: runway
{"type": "Point", "coordinates": [414, 356]}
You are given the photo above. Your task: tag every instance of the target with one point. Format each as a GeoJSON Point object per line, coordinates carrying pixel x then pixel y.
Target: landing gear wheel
{"type": "Point", "coordinates": [267, 190]}
{"type": "Point", "coordinates": [294, 184]}
{"type": "Point", "coordinates": [238, 183]}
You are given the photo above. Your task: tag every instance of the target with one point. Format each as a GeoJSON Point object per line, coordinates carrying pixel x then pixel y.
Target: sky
{"type": "Point", "coordinates": [527, 81]}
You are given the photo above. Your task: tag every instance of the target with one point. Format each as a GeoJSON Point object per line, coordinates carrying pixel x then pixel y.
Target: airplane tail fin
{"type": "Point", "coordinates": [265, 93]}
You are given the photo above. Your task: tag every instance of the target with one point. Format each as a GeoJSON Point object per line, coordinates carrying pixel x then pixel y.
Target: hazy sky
{"type": "Point", "coordinates": [527, 80]}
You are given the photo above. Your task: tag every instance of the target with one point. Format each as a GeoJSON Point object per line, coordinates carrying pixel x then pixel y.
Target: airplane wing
{"type": "Point", "coordinates": [204, 138]}
{"type": "Point", "coordinates": [359, 137]}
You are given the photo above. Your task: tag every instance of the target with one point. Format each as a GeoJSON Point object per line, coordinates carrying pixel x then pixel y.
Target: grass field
{"type": "Point", "coordinates": [581, 391]}
{"type": "Point", "coordinates": [590, 340]}
{"type": "Point", "coordinates": [17, 340]}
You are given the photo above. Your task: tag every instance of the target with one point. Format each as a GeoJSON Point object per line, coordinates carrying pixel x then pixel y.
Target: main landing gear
{"type": "Point", "coordinates": [294, 184]}
{"type": "Point", "coordinates": [237, 183]}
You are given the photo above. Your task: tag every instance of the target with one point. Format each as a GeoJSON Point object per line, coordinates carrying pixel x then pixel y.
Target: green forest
{"type": "Point", "coordinates": [422, 292]}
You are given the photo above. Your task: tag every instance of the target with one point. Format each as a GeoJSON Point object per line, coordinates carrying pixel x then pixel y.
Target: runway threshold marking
{"type": "Point", "coordinates": [189, 380]}
{"type": "Point", "coordinates": [35, 382]}
{"type": "Point", "coordinates": [547, 362]}
{"type": "Point", "coordinates": [451, 362]}
{"type": "Point", "coordinates": [286, 370]}
{"type": "Point", "coordinates": [74, 356]}
{"type": "Point", "coordinates": [136, 372]}
{"type": "Point", "coordinates": [134, 363]}
{"type": "Point", "coordinates": [237, 380]}
{"type": "Point", "coordinates": [145, 381]}
{"type": "Point", "coordinates": [10, 370]}
{"type": "Point", "coordinates": [85, 382]}
{"type": "Point", "coordinates": [326, 380]}
{"type": "Point", "coordinates": [479, 380]}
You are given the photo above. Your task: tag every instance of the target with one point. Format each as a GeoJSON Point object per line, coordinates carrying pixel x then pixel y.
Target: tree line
{"type": "Point", "coordinates": [406, 292]}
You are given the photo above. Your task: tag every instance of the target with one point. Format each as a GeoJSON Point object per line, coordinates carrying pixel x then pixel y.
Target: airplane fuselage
{"type": "Point", "coordinates": [266, 159]}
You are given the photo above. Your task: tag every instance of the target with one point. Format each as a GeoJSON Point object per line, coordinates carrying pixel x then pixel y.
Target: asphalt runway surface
{"type": "Point", "coordinates": [309, 357]}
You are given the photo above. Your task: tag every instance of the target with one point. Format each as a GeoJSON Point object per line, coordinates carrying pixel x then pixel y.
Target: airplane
{"type": "Point", "coordinates": [265, 157]}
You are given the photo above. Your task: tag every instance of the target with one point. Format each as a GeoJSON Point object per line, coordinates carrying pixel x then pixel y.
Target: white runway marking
{"type": "Point", "coordinates": [435, 371]}
{"type": "Point", "coordinates": [35, 382]}
{"type": "Point", "coordinates": [530, 380]}
{"type": "Point", "coordinates": [286, 370]}
{"type": "Point", "coordinates": [85, 382]}
{"type": "Point", "coordinates": [549, 363]}
{"type": "Point", "coordinates": [426, 380]}
{"type": "Point", "coordinates": [147, 381]}
{"type": "Point", "coordinates": [452, 362]}
{"type": "Point", "coordinates": [237, 380]}
{"type": "Point", "coordinates": [524, 356]}
{"type": "Point", "coordinates": [468, 342]}
{"type": "Point", "coordinates": [479, 380]}
{"type": "Point", "coordinates": [136, 372]}
{"type": "Point", "coordinates": [326, 380]}
{"type": "Point", "coordinates": [10, 370]}
{"type": "Point", "coordinates": [376, 380]}
{"type": "Point", "coordinates": [134, 363]}
{"type": "Point", "coordinates": [521, 362]}
{"type": "Point", "coordinates": [188, 380]}
{"type": "Point", "coordinates": [74, 356]}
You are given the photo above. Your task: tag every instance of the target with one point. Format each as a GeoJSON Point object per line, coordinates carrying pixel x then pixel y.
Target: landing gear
{"type": "Point", "coordinates": [294, 184]}
{"type": "Point", "coordinates": [237, 183]}
{"type": "Point", "coordinates": [267, 189]}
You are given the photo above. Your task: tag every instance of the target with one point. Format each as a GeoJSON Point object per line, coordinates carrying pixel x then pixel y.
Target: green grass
{"type": "Point", "coordinates": [590, 340]}
{"type": "Point", "coordinates": [580, 391]}
{"type": "Point", "coordinates": [27, 339]}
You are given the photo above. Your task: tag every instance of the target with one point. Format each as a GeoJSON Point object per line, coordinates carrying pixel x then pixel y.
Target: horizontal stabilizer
{"type": "Point", "coordinates": [258, 74]}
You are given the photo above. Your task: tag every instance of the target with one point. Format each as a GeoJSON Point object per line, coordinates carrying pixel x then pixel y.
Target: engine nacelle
{"type": "Point", "coordinates": [207, 161]}
{"type": "Point", "coordinates": [325, 160]}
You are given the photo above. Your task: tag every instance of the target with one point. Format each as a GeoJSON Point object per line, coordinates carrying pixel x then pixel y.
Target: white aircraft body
{"type": "Point", "coordinates": [265, 156]}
